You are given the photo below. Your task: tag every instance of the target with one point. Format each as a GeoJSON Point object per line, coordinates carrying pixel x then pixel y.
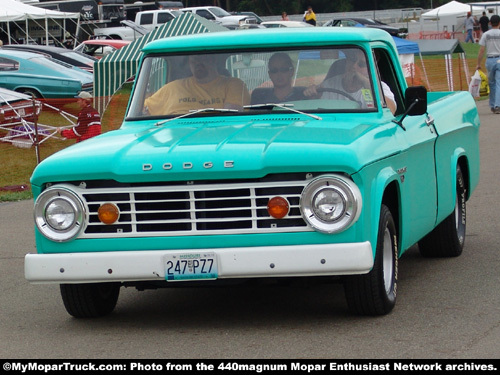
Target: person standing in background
{"type": "Point", "coordinates": [309, 16]}
{"type": "Point", "coordinates": [484, 22]}
{"type": "Point", "coordinates": [284, 17]}
{"type": "Point", "coordinates": [490, 45]}
{"type": "Point", "coordinates": [469, 27]}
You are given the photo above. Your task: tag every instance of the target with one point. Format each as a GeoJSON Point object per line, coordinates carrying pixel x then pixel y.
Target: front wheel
{"type": "Point", "coordinates": [448, 238]}
{"type": "Point", "coordinates": [375, 292]}
{"type": "Point", "coordinates": [32, 92]}
{"type": "Point", "coordinates": [90, 300]}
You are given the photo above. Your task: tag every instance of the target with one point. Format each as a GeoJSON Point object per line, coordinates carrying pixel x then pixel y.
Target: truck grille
{"type": "Point", "coordinates": [180, 210]}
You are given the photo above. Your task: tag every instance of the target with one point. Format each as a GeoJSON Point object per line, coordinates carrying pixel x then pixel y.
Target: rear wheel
{"type": "Point", "coordinates": [90, 300]}
{"type": "Point", "coordinates": [448, 238]}
{"type": "Point", "coordinates": [375, 292]}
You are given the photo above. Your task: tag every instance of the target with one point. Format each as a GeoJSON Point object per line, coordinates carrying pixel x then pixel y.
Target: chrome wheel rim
{"type": "Point", "coordinates": [388, 263]}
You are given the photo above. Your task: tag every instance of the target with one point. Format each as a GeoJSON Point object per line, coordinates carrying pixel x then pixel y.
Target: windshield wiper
{"type": "Point", "coordinates": [195, 111]}
{"type": "Point", "coordinates": [283, 106]}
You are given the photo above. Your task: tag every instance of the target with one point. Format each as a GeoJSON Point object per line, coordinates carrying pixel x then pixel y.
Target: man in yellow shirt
{"type": "Point", "coordinates": [206, 88]}
{"type": "Point", "coordinates": [309, 16]}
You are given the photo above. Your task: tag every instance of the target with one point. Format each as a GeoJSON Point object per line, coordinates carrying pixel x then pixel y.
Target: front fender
{"type": "Point", "coordinates": [374, 195]}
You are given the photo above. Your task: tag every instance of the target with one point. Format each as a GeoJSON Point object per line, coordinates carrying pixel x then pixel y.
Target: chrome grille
{"type": "Point", "coordinates": [180, 210]}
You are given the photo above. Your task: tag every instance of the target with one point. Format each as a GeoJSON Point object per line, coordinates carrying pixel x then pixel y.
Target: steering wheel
{"type": "Point", "coordinates": [326, 89]}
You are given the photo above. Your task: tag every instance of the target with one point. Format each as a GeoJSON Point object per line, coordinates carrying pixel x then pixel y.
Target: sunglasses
{"type": "Point", "coordinates": [280, 70]}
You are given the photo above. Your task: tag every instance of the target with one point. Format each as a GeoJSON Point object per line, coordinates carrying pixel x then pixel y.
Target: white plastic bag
{"type": "Point", "coordinates": [475, 84]}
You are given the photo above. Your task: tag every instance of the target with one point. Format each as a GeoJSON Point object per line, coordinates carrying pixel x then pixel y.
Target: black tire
{"type": "Point", "coordinates": [448, 238]}
{"type": "Point", "coordinates": [35, 94]}
{"type": "Point", "coordinates": [90, 300]}
{"type": "Point", "coordinates": [375, 292]}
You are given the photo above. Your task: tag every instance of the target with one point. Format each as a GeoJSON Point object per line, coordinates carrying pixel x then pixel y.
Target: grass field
{"type": "Point", "coordinates": [17, 164]}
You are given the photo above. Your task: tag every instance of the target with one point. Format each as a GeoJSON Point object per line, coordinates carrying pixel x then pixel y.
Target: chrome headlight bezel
{"type": "Point", "coordinates": [72, 201]}
{"type": "Point", "coordinates": [349, 200]}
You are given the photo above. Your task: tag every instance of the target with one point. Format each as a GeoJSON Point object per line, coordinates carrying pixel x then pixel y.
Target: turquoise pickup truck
{"type": "Point", "coordinates": [244, 156]}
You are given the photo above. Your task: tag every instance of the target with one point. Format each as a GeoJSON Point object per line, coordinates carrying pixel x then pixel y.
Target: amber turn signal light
{"type": "Point", "coordinates": [278, 207]}
{"type": "Point", "coordinates": [108, 213]}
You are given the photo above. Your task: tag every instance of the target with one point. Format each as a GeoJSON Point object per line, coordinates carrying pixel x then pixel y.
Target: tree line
{"type": "Point", "coordinates": [275, 7]}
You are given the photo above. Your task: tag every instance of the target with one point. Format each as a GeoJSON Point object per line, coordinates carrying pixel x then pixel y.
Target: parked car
{"type": "Point", "coordinates": [276, 24]}
{"type": "Point", "coordinates": [34, 74]}
{"type": "Point", "coordinates": [15, 105]}
{"type": "Point", "coordinates": [68, 56]}
{"type": "Point", "coordinates": [366, 22]}
{"type": "Point", "coordinates": [145, 21]}
{"type": "Point", "coordinates": [251, 14]}
{"type": "Point", "coordinates": [219, 15]}
{"type": "Point", "coordinates": [245, 26]}
{"type": "Point", "coordinates": [98, 48]}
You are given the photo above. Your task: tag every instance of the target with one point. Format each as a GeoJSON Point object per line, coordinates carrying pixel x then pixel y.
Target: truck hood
{"type": "Point", "coordinates": [218, 147]}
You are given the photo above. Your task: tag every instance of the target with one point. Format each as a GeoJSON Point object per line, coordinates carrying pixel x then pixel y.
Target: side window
{"type": "Point", "coordinates": [387, 75]}
{"type": "Point", "coordinates": [7, 65]}
{"type": "Point", "coordinates": [164, 18]}
{"type": "Point", "coordinates": [146, 19]}
{"type": "Point", "coordinates": [205, 14]}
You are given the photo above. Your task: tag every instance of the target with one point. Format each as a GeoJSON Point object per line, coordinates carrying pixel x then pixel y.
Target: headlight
{"type": "Point", "coordinates": [59, 214]}
{"type": "Point", "coordinates": [330, 203]}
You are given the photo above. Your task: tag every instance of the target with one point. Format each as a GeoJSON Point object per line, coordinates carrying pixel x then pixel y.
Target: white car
{"type": "Point", "coordinates": [220, 15]}
{"type": "Point", "coordinates": [271, 24]}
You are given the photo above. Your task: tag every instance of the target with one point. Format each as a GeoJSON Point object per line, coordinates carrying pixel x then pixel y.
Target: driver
{"type": "Point", "coordinates": [355, 82]}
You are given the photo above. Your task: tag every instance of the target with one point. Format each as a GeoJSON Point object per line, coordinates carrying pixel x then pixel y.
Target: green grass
{"type": "Point", "coordinates": [471, 50]}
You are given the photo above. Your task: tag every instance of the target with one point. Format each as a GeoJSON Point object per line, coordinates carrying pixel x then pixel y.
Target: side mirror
{"type": "Point", "coordinates": [415, 103]}
{"type": "Point", "coordinates": [416, 100]}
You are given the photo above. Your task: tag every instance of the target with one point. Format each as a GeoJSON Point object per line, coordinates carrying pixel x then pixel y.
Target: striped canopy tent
{"type": "Point", "coordinates": [112, 71]}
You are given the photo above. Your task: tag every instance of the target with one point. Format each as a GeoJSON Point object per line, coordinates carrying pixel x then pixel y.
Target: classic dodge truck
{"type": "Point", "coordinates": [264, 155]}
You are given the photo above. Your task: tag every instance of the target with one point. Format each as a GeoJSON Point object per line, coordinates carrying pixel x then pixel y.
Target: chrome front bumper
{"type": "Point", "coordinates": [240, 262]}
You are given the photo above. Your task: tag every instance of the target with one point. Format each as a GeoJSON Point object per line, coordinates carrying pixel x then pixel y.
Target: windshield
{"type": "Point", "coordinates": [309, 80]}
{"type": "Point", "coordinates": [87, 60]}
{"type": "Point", "coordinates": [219, 12]}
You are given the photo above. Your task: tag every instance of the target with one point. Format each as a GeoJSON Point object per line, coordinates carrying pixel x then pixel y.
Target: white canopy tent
{"type": "Point", "coordinates": [34, 18]}
{"type": "Point", "coordinates": [449, 17]}
{"type": "Point", "coordinates": [453, 8]}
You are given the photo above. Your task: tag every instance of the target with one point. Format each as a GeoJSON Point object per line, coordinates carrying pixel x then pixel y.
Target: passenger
{"type": "Point", "coordinates": [280, 70]}
{"type": "Point", "coordinates": [206, 88]}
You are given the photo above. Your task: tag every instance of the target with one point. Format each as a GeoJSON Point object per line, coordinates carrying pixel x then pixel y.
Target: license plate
{"type": "Point", "coordinates": [190, 266]}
